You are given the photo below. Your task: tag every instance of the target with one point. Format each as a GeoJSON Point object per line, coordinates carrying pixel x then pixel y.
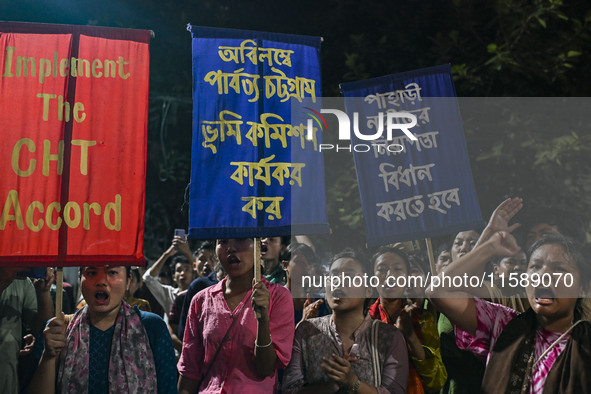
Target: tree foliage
{"type": "Point", "coordinates": [497, 48]}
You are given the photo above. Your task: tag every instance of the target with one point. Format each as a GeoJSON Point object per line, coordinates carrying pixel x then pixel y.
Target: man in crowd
{"type": "Point", "coordinates": [20, 302]}
{"type": "Point", "coordinates": [271, 249]}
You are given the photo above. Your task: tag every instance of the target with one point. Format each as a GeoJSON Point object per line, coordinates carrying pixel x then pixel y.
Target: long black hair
{"type": "Point", "coordinates": [579, 255]}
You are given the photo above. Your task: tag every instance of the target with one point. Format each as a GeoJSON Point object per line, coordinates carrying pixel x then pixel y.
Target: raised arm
{"type": "Point", "coordinates": [44, 302]}
{"type": "Point", "coordinates": [498, 222]}
{"type": "Point", "coordinates": [44, 379]}
{"type": "Point", "coordinates": [155, 269]}
{"type": "Point", "coordinates": [500, 218]}
{"type": "Point", "coordinates": [454, 302]}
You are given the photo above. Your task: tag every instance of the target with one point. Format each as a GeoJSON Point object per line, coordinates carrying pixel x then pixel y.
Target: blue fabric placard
{"type": "Point", "coordinates": [412, 189]}
{"type": "Point", "coordinates": [254, 172]}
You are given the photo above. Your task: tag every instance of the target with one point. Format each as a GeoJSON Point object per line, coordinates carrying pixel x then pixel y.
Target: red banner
{"type": "Point", "coordinates": [73, 113]}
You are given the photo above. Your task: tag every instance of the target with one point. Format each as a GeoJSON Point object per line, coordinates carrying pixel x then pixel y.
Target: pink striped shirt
{"type": "Point", "coordinates": [492, 319]}
{"type": "Point", "coordinates": [234, 369]}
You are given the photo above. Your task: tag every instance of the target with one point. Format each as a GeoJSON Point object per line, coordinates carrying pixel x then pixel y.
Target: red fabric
{"type": "Point", "coordinates": [56, 219]}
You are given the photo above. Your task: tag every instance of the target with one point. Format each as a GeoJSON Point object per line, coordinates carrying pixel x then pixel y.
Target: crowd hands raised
{"type": "Point", "coordinates": [213, 328]}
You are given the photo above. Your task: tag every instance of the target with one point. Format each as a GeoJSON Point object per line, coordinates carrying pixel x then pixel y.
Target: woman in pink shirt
{"type": "Point", "coordinates": [546, 349]}
{"type": "Point", "coordinates": [226, 348]}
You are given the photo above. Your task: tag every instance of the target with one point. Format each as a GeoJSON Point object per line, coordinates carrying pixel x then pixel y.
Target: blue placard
{"type": "Point", "coordinates": [412, 189]}
{"type": "Point", "coordinates": [253, 172]}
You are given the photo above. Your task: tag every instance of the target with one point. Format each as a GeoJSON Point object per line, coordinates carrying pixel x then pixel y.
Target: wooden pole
{"type": "Point", "coordinates": [59, 284]}
{"type": "Point", "coordinates": [431, 255]}
{"type": "Point", "coordinates": [257, 260]}
{"type": "Point", "coordinates": [257, 266]}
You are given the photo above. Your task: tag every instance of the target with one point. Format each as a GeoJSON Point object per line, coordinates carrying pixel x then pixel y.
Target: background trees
{"type": "Point", "coordinates": [500, 48]}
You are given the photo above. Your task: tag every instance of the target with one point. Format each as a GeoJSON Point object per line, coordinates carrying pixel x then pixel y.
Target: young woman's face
{"type": "Point", "coordinates": [271, 248]}
{"type": "Point", "coordinates": [297, 268]}
{"type": "Point", "coordinates": [236, 255]}
{"type": "Point", "coordinates": [414, 288]}
{"type": "Point", "coordinates": [103, 288]}
{"type": "Point", "coordinates": [463, 243]}
{"type": "Point", "coordinates": [204, 264]}
{"type": "Point", "coordinates": [512, 265]}
{"type": "Point", "coordinates": [537, 231]}
{"type": "Point", "coordinates": [558, 300]}
{"type": "Point", "coordinates": [183, 275]}
{"type": "Point", "coordinates": [443, 261]}
{"type": "Point", "coordinates": [134, 284]}
{"type": "Point", "coordinates": [341, 296]}
{"type": "Point", "coordinates": [388, 267]}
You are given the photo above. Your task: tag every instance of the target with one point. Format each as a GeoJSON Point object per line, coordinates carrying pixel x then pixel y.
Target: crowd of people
{"type": "Point", "coordinates": [197, 320]}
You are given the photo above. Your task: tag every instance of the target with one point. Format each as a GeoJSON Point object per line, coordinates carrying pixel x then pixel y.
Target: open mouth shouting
{"type": "Point", "coordinates": [233, 260]}
{"type": "Point", "coordinates": [101, 297]}
{"type": "Point", "coordinates": [264, 249]}
{"type": "Point", "coordinates": [544, 296]}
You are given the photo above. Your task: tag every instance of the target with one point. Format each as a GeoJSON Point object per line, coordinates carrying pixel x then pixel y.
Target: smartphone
{"type": "Point", "coordinates": [33, 272]}
{"type": "Point", "coordinates": [180, 232]}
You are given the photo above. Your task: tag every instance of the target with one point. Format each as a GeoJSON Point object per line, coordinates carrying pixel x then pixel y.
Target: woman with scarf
{"type": "Point", "coordinates": [347, 351]}
{"type": "Point", "coordinates": [546, 349]}
{"type": "Point", "coordinates": [107, 346]}
{"type": "Point", "coordinates": [419, 327]}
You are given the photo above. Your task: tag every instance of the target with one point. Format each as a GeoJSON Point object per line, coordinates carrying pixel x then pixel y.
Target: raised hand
{"type": "Point", "coordinates": [29, 340]}
{"type": "Point", "coordinates": [503, 244]}
{"type": "Point", "coordinates": [180, 244]}
{"type": "Point", "coordinates": [44, 284]}
{"type": "Point", "coordinates": [311, 308]}
{"type": "Point", "coordinates": [260, 299]}
{"type": "Point", "coordinates": [404, 321]}
{"type": "Point", "coordinates": [499, 220]}
{"type": "Point", "coordinates": [55, 336]}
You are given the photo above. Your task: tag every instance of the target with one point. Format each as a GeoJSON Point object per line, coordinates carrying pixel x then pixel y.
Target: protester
{"type": "Point", "coordinates": [195, 287]}
{"type": "Point", "coordinates": [463, 243]}
{"type": "Point", "coordinates": [419, 327]}
{"type": "Point", "coordinates": [505, 269]}
{"type": "Point", "coordinates": [415, 291]}
{"type": "Point", "coordinates": [144, 293]}
{"type": "Point", "coordinates": [271, 249]}
{"type": "Point", "coordinates": [443, 258]}
{"type": "Point", "coordinates": [299, 260]}
{"type": "Point", "coordinates": [21, 304]}
{"type": "Point", "coordinates": [238, 332]}
{"type": "Point", "coordinates": [546, 349]}
{"type": "Point", "coordinates": [205, 259]}
{"type": "Point", "coordinates": [506, 292]}
{"type": "Point", "coordinates": [134, 286]}
{"type": "Point", "coordinates": [417, 269]}
{"type": "Point", "coordinates": [464, 370]}
{"type": "Point", "coordinates": [174, 319]}
{"type": "Point", "coordinates": [347, 351]}
{"type": "Point", "coordinates": [182, 277]}
{"type": "Point", "coordinates": [107, 346]}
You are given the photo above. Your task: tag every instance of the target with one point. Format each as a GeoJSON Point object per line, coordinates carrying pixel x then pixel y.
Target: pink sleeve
{"type": "Point", "coordinates": [492, 319]}
{"type": "Point", "coordinates": [191, 362]}
{"type": "Point", "coordinates": [281, 324]}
